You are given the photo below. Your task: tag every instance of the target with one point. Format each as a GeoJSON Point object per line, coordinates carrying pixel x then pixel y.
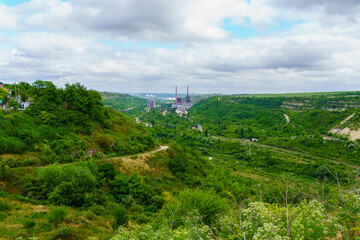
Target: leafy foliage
{"type": "Point", "coordinates": [60, 124]}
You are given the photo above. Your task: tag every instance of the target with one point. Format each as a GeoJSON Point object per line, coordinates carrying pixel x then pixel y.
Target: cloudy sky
{"type": "Point", "coordinates": [227, 46]}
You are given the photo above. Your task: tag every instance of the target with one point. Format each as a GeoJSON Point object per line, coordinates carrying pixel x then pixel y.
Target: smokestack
{"type": "Point", "coordinates": [193, 98]}
{"type": "Point", "coordinates": [176, 94]}
{"type": "Point", "coordinates": [187, 91]}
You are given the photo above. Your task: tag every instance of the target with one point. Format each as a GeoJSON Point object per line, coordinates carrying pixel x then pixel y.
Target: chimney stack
{"type": "Point", "coordinates": [176, 94]}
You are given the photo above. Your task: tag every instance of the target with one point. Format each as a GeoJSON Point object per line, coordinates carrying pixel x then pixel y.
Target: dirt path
{"type": "Point", "coordinates": [136, 159]}
{"type": "Point", "coordinates": [287, 118]}
{"type": "Point", "coordinates": [347, 119]}
{"type": "Point", "coordinates": [162, 148]}
{"type": "Point", "coordinates": [289, 151]}
{"type": "Point", "coordinates": [132, 163]}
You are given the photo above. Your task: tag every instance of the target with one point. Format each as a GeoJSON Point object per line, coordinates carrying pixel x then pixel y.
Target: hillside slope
{"type": "Point", "coordinates": [122, 102]}
{"type": "Point", "coordinates": [62, 125]}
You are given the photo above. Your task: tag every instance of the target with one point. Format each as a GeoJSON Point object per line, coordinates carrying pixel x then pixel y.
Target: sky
{"type": "Point", "coordinates": [214, 46]}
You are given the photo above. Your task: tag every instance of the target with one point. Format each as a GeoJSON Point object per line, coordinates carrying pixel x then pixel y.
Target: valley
{"type": "Point", "coordinates": [95, 173]}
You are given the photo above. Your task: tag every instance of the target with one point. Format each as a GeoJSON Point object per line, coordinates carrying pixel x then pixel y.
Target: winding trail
{"type": "Point", "coordinates": [287, 118]}
{"type": "Point", "coordinates": [140, 156]}
{"type": "Point", "coordinates": [162, 148]}
{"type": "Point", "coordinates": [131, 163]}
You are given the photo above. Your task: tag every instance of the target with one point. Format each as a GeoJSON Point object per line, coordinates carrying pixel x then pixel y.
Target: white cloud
{"type": "Point", "coordinates": [146, 20]}
{"type": "Point", "coordinates": [266, 64]}
{"type": "Point", "coordinates": [59, 41]}
{"type": "Point", "coordinates": [8, 19]}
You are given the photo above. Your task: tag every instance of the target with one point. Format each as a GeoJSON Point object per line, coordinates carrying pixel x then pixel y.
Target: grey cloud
{"type": "Point", "coordinates": [126, 17]}
{"type": "Point", "coordinates": [289, 54]}
{"type": "Point", "coordinates": [238, 66]}
{"type": "Point", "coordinates": [146, 20]}
{"type": "Point", "coordinates": [301, 60]}
{"type": "Point", "coordinates": [338, 7]}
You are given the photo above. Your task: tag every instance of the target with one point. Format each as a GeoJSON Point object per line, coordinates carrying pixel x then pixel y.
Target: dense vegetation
{"type": "Point", "coordinates": [234, 169]}
{"type": "Point", "coordinates": [62, 125]}
{"type": "Point", "coordinates": [121, 102]}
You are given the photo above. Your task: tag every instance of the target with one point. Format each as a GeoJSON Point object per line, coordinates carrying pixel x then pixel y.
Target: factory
{"type": "Point", "coordinates": [151, 101]}
{"type": "Point", "coordinates": [180, 105]}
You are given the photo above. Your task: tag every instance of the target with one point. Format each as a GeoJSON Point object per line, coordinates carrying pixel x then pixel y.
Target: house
{"type": "Point", "coordinates": [24, 105]}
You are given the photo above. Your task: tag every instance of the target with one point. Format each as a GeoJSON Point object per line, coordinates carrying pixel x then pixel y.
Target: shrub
{"type": "Point", "coordinates": [29, 225]}
{"type": "Point", "coordinates": [57, 215]}
{"type": "Point", "coordinates": [4, 206]}
{"type": "Point", "coordinates": [206, 203]}
{"type": "Point", "coordinates": [120, 216]}
{"type": "Point", "coordinates": [13, 162]}
{"type": "Point", "coordinates": [158, 201]}
{"type": "Point", "coordinates": [89, 215]}
{"type": "Point", "coordinates": [97, 210]}
{"type": "Point", "coordinates": [31, 162]}
{"type": "Point", "coordinates": [42, 227]}
{"type": "Point", "coordinates": [71, 184]}
{"type": "Point", "coordinates": [64, 233]}
{"type": "Point", "coordinates": [108, 170]}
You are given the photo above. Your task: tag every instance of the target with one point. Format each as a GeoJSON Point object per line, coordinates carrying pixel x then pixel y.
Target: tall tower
{"type": "Point", "coordinates": [187, 96]}
{"type": "Point", "coordinates": [176, 99]}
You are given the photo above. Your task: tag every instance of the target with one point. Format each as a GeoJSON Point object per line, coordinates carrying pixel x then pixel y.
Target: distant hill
{"type": "Point", "coordinates": [265, 115]}
{"type": "Point", "coordinates": [122, 102]}
{"type": "Point", "coordinates": [307, 124]}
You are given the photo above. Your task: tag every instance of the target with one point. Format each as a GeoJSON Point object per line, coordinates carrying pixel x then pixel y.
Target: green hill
{"type": "Point", "coordinates": [122, 102]}
{"type": "Point", "coordinates": [62, 125]}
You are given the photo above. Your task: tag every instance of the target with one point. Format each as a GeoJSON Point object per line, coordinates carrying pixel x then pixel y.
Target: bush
{"type": "Point", "coordinates": [206, 203]}
{"type": "Point", "coordinates": [108, 170]}
{"type": "Point", "coordinates": [70, 185]}
{"type": "Point", "coordinates": [42, 227]}
{"type": "Point", "coordinates": [31, 162]}
{"type": "Point", "coordinates": [120, 216]}
{"type": "Point", "coordinates": [97, 210]}
{"type": "Point", "coordinates": [57, 215]}
{"type": "Point", "coordinates": [158, 201]}
{"type": "Point", "coordinates": [13, 162]}
{"type": "Point", "coordinates": [29, 225]}
{"type": "Point", "coordinates": [4, 206]}
{"type": "Point", "coordinates": [64, 233]}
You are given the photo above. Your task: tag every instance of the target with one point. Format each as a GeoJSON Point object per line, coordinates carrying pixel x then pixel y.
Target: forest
{"type": "Point", "coordinates": [234, 167]}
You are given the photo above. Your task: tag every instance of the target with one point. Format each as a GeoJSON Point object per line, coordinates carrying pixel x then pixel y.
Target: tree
{"type": "Point", "coordinates": [120, 216]}
{"type": "Point", "coordinates": [4, 95]}
{"type": "Point", "coordinates": [14, 105]}
{"type": "Point", "coordinates": [108, 170]}
{"type": "Point", "coordinates": [242, 133]}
